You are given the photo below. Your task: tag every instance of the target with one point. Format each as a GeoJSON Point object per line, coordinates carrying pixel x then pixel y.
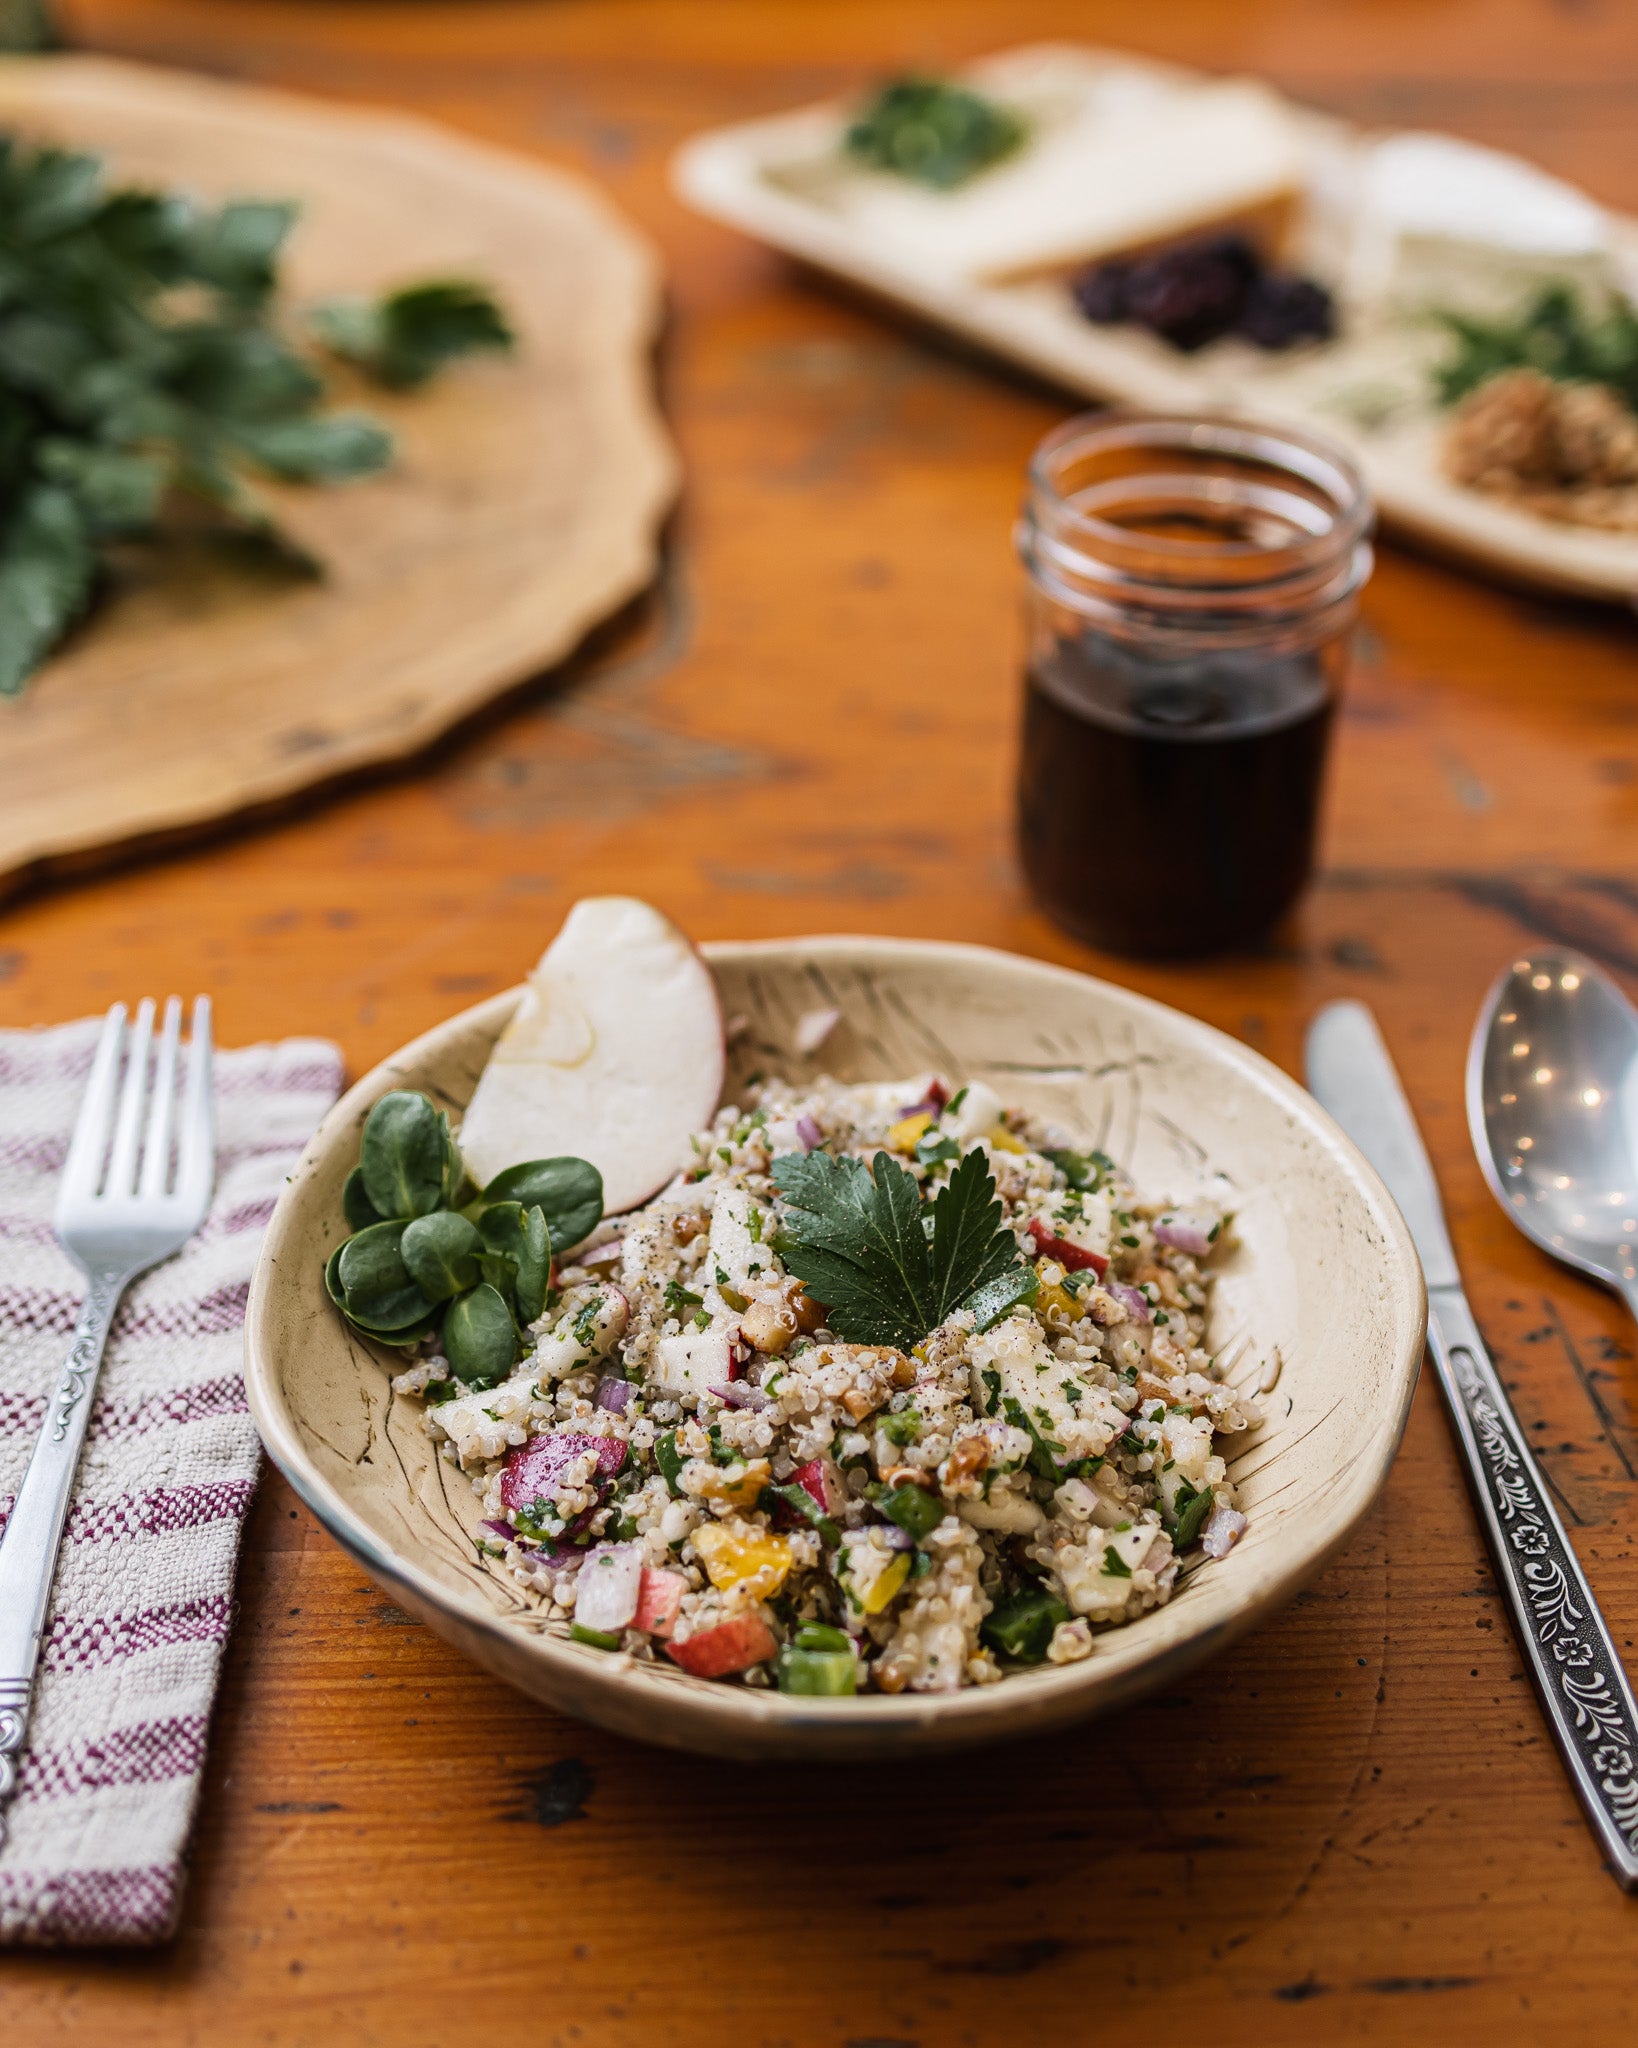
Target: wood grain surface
{"type": "Point", "coordinates": [1352, 1827]}
{"type": "Point", "coordinates": [523, 505]}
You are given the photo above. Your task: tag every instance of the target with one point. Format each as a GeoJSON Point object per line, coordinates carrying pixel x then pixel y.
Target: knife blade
{"type": "Point", "coordinates": [1567, 1647]}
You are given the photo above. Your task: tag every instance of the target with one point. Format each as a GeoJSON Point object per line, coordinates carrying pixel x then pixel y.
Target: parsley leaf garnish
{"type": "Point", "coordinates": [859, 1243]}
{"type": "Point", "coordinates": [142, 366]}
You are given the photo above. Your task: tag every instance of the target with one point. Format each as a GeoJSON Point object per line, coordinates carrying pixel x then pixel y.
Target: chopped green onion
{"type": "Point", "coordinates": [818, 1635]}
{"type": "Point", "coordinates": [598, 1638]}
{"type": "Point", "coordinates": [916, 1511]}
{"type": "Point", "coordinates": [1022, 1626]}
{"type": "Point", "coordinates": [801, 1502]}
{"type": "Point", "coordinates": [670, 1461]}
{"type": "Point", "coordinates": [820, 1674]}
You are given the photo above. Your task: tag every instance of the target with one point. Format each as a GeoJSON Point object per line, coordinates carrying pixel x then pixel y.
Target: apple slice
{"type": "Point", "coordinates": [615, 1055]}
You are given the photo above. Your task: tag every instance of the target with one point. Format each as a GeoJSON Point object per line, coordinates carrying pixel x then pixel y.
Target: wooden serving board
{"type": "Point", "coordinates": [523, 507]}
{"type": "Point", "coordinates": [782, 180]}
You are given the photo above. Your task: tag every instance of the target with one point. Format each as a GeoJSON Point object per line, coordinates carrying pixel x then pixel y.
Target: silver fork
{"type": "Point", "coordinates": [135, 1188]}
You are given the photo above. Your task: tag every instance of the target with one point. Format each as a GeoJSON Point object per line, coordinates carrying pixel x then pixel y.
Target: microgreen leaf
{"type": "Point", "coordinates": [480, 1338]}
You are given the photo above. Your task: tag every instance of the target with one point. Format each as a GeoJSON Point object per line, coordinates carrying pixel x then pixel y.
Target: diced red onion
{"type": "Point", "coordinates": [1185, 1230]}
{"type": "Point", "coordinates": [604, 1254]}
{"type": "Point", "coordinates": [741, 1394]}
{"type": "Point", "coordinates": [613, 1394]}
{"type": "Point", "coordinates": [1136, 1303]}
{"type": "Point", "coordinates": [535, 1469]}
{"type": "Point", "coordinates": [931, 1103]}
{"type": "Point", "coordinates": [1224, 1528]}
{"type": "Point", "coordinates": [809, 1132]}
{"type": "Point", "coordinates": [501, 1529]}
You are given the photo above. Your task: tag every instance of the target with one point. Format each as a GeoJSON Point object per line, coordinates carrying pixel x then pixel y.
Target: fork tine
{"type": "Point", "coordinates": [132, 1095]}
{"type": "Point", "coordinates": [82, 1170]}
{"type": "Point", "coordinates": [156, 1143]}
{"type": "Point", "coordinates": [196, 1148]}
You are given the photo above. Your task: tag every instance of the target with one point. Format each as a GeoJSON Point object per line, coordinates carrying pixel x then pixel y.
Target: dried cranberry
{"type": "Point", "coordinates": [1191, 294]}
{"type": "Point", "coordinates": [1101, 293]}
{"type": "Point", "coordinates": [1282, 308]}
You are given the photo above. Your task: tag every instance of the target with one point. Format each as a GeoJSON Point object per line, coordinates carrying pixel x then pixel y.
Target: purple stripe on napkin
{"type": "Point", "coordinates": [98, 1829]}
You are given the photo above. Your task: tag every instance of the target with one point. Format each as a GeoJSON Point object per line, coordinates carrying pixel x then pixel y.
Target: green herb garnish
{"type": "Point", "coordinates": [407, 336]}
{"type": "Point", "coordinates": [1191, 1509]}
{"type": "Point", "coordinates": [1114, 1565]}
{"type": "Point", "coordinates": [140, 363]}
{"type": "Point", "coordinates": [933, 133]}
{"type": "Point", "coordinates": [1044, 1451]}
{"type": "Point", "coordinates": [859, 1245]}
{"type": "Point", "coordinates": [1556, 334]}
{"type": "Point", "coordinates": [476, 1275]}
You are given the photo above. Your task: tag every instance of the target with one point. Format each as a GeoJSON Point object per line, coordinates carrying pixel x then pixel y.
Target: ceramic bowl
{"type": "Point", "coordinates": [1322, 1288]}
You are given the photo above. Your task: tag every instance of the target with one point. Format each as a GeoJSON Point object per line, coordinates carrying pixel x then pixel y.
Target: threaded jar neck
{"type": "Point", "coordinates": [1187, 533]}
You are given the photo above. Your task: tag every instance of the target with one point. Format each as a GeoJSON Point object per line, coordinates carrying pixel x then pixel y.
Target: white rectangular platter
{"type": "Point", "coordinates": [782, 181]}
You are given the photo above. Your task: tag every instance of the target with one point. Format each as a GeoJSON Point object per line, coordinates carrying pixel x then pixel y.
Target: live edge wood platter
{"type": "Point", "coordinates": [523, 508]}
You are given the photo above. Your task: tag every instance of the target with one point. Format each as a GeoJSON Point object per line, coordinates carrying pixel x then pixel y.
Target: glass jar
{"type": "Point", "coordinates": [1192, 585]}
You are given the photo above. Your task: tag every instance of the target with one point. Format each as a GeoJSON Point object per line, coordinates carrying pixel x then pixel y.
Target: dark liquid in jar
{"type": "Point", "coordinates": [1169, 807]}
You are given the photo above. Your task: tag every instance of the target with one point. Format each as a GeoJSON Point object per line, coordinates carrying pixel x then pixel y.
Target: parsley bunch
{"type": "Point", "coordinates": [888, 1266]}
{"type": "Point", "coordinates": [138, 359]}
{"type": "Point", "coordinates": [933, 132]}
{"type": "Point", "coordinates": [1557, 333]}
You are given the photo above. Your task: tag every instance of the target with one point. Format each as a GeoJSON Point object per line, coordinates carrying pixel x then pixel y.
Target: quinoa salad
{"type": "Point", "coordinates": [733, 1447]}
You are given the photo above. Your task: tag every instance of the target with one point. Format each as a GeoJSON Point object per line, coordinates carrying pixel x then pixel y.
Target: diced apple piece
{"type": "Point", "coordinates": [732, 1645]}
{"type": "Point", "coordinates": [820, 1478]}
{"type": "Point", "coordinates": [615, 1055]}
{"type": "Point", "coordinates": [694, 1362]}
{"type": "Point", "coordinates": [658, 1598]}
{"type": "Point", "coordinates": [608, 1588]}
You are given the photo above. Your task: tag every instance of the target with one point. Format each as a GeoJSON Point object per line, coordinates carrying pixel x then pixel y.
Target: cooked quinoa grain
{"type": "Point", "coordinates": [692, 1462]}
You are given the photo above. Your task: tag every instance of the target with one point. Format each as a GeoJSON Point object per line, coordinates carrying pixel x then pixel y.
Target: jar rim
{"type": "Point", "coordinates": [1244, 436]}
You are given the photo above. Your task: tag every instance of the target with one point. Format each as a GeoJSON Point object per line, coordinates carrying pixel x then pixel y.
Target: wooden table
{"type": "Point", "coordinates": [1350, 1828]}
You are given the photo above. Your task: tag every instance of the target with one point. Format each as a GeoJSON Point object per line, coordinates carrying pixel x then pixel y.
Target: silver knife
{"type": "Point", "coordinates": [1567, 1647]}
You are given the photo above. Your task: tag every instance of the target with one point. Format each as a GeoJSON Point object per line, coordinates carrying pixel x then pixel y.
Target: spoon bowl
{"type": "Point", "coordinates": [1552, 1103]}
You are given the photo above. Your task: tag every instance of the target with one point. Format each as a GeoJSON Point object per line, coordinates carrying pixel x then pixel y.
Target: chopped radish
{"type": "Point", "coordinates": [534, 1471]}
{"type": "Point", "coordinates": [695, 1362]}
{"type": "Point", "coordinates": [658, 1599]}
{"type": "Point", "coordinates": [733, 1645]}
{"type": "Point", "coordinates": [607, 1591]}
{"type": "Point", "coordinates": [1075, 1257]}
{"type": "Point", "coordinates": [820, 1478]}
{"type": "Point", "coordinates": [615, 1054]}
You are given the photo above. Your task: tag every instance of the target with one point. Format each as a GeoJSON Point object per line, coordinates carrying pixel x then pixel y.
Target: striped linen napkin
{"type": "Point", "coordinates": [144, 1595]}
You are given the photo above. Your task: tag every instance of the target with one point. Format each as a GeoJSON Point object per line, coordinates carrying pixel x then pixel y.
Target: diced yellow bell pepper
{"type": "Point", "coordinates": [1003, 1140]}
{"type": "Point", "coordinates": [739, 1485]}
{"type": "Point", "coordinates": [1053, 1294]}
{"type": "Point", "coordinates": [887, 1585]}
{"type": "Point", "coordinates": [904, 1134]}
{"type": "Point", "coordinates": [737, 1556]}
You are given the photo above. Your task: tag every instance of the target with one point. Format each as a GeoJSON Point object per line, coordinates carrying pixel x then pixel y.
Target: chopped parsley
{"type": "Point", "coordinates": [1114, 1565]}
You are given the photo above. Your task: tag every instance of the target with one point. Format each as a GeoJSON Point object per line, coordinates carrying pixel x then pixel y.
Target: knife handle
{"type": "Point", "coordinates": [1571, 1658]}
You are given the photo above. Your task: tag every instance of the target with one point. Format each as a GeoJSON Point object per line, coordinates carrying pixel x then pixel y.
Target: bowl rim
{"type": "Point", "coordinates": [974, 1713]}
